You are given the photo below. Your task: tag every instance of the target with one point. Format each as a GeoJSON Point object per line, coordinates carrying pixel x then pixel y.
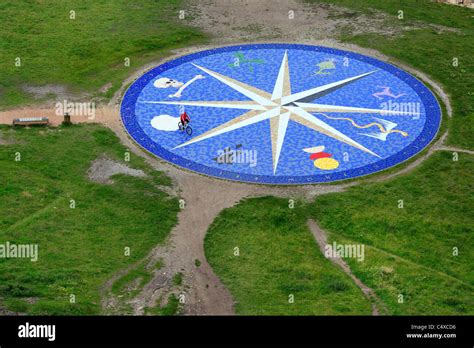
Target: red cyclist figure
{"type": "Point", "coordinates": [184, 119]}
{"type": "Point", "coordinates": [184, 123]}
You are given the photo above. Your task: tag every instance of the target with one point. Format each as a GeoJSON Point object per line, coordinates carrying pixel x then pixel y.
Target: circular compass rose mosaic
{"type": "Point", "coordinates": [280, 113]}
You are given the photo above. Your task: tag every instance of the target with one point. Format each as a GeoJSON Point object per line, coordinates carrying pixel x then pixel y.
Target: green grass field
{"type": "Point", "coordinates": [79, 249]}
{"type": "Point", "coordinates": [85, 53]}
{"type": "Point", "coordinates": [278, 257]}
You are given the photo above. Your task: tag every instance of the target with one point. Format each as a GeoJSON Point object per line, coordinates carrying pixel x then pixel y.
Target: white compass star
{"type": "Point", "coordinates": [280, 107]}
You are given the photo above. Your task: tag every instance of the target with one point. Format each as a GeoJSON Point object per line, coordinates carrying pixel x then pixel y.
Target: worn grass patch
{"type": "Point", "coordinates": [130, 284]}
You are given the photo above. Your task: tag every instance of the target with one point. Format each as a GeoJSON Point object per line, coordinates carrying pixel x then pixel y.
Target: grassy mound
{"type": "Point", "coordinates": [80, 248]}
{"type": "Point", "coordinates": [278, 258]}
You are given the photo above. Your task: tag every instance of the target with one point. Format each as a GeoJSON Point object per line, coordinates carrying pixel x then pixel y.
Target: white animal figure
{"type": "Point", "coordinates": [166, 82]}
{"type": "Point", "coordinates": [386, 92]}
{"type": "Point", "coordinates": [183, 87]}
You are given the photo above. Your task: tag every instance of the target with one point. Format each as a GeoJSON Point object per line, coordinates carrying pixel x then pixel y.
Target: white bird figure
{"type": "Point", "coordinates": [183, 87]}
{"type": "Point", "coordinates": [382, 135]}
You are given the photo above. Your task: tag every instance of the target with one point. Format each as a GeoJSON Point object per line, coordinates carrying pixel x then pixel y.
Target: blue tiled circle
{"type": "Point", "coordinates": [259, 68]}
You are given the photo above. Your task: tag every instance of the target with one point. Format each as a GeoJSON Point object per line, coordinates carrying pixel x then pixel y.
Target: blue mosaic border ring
{"type": "Point", "coordinates": [431, 104]}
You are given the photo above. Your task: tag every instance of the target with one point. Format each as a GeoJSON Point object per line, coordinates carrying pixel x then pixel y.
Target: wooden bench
{"type": "Point", "coordinates": [31, 121]}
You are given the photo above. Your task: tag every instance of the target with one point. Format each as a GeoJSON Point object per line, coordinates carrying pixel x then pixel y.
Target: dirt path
{"type": "Point", "coordinates": [231, 22]}
{"type": "Point", "coordinates": [454, 149]}
{"type": "Point", "coordinates": [321, 238]}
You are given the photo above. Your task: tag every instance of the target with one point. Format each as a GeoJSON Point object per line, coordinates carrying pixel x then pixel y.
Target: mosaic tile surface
{"type": "Point", "coordinates": [281, 114]}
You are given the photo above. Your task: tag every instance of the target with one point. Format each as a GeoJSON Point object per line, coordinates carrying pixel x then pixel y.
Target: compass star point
{"type": "Point", "coordinates": [279, 108]}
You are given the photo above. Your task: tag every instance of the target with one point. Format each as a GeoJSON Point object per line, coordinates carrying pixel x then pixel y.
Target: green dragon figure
{"type": "Point", "coordinates": [240, 60]}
